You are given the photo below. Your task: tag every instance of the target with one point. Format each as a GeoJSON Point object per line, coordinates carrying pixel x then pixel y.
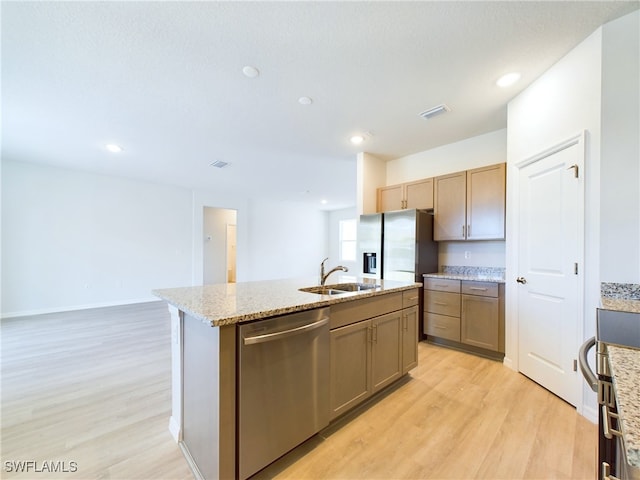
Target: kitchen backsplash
{"type": "Point", "coordinates": [474, 271]}
{"type": "Point", "coordinates": [628, 291]}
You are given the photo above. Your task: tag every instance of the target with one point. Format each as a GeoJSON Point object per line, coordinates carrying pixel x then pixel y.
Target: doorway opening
{"type": "Point", "coordinates": [219, 245]}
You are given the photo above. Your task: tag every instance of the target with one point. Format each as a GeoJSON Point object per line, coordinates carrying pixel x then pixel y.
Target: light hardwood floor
{"type": "Point", "coordinates": [93, 387]}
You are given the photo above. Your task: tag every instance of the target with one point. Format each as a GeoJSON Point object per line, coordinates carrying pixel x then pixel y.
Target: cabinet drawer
{"type": "Point", "coordinates": [443, 303]}
{"type": "Point", "coordinates": [347, 313]}
{"type": "Point", "coordinates": [442, 326]}
{"type": "Point", "coordinates": [485, 289]}
{"type": "Point", "coordinates": [410, 298]}
{"type": "Point", "coordinates": [442, 284]}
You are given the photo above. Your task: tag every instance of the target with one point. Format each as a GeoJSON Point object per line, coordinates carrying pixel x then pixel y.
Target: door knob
{"type": "Point", "coordinates": [521, 280]}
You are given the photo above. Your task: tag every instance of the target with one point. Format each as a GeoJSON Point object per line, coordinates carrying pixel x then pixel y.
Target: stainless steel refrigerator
{"type": "Point", "coordinates": [397, 245]}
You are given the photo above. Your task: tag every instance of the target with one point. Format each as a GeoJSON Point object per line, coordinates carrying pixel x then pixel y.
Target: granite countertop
{"type": "Point", "coordinates": [625, 369]}
{"type": "Point", "coordinates": [620, 304]}
{"type": "Point", "coordinates": [231, 303]}
{"type": "Point", "coordinates": [458, 276]}
{"type": "Point", "coordinates": [476, 274]}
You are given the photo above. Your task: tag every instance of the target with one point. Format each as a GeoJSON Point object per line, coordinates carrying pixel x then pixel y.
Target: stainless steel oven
{"type": "Point", "coordinates": [615, 328]}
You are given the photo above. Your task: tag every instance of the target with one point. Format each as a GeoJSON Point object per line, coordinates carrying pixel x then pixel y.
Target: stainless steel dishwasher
{"type": "Point", "coordinates": [283, 386]}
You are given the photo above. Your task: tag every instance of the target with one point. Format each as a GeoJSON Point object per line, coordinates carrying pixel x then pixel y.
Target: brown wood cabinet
{"type": "Point", "coordinates": [442, 308]}
{"type": "Point", "coordinates": [410, 338]}
{"type": "Point", "coordinates": [386, 349]}
{"type": "Point", "coordinates": [418, 194]}
{"type": "Point", "coordinates": [467, 314]}
{"type": "Point", "coordinates": [350, 365]}
{"type": "Point", "coordinates": [368, 354]}
{"type": "Point", "coordinates": [482, 315]}
{"type": "Point", "coordinates": [470, 205]}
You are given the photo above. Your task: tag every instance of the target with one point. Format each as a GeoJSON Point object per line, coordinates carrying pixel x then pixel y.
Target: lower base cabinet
{"type": "Point", "coordinates": [350, 365]}
{"type": "Point", "coordinates": [370, 354]}
{"type": "Point", "coordinates": [410, 333]}
{"type": "Point", "coordinates": [479, 322]}
{"type": "Point", "coordinates": [467, 315]}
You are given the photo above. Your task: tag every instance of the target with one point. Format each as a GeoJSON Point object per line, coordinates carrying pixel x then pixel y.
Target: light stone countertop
{"type": "Point", "coordinates": [620, 304]}
{"type": "Point", "coordinates": [231, 303]}
{"type": "Point", "coordinates": [458, 276]}
{"type": "Point", "coordinates": [625, 368]}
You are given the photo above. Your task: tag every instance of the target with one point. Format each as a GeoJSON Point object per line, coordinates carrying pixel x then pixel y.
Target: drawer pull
{"type": "Point", "coordinates": [440, 285]}
{"type": "Point", "coordinates": [440, 327]}
{"type": "Point", "coordinates": [440, 303]}
{"type": "Point", "coordinates": [609, 432]}
{"type": "Point", "coordinates": [412, 298]}
{"type": "Point", "coordinates": [478, 289]}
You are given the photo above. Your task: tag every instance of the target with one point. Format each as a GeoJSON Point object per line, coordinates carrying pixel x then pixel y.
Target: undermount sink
{"type": "Point", "coordinates": [339, 288]}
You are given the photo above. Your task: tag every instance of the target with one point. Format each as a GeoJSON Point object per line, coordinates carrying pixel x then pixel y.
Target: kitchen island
{"type": "Point", "coordinates": [373, 335]}
{"type": "Point", "coordinates": [624, 363]}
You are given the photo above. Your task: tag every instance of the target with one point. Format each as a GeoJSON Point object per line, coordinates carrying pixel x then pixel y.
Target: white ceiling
{"type": "Point", "coordinates": [164, 80]}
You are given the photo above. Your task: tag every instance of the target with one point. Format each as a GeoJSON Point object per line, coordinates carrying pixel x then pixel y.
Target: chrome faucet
{"type": "Point", "coordinates": [323, 276]}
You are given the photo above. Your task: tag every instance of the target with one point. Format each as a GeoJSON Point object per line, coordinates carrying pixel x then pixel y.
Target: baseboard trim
{"type": "Point", "coordinates": [43, 311]}
{"type": "Point", "coordinates": [174, 428]}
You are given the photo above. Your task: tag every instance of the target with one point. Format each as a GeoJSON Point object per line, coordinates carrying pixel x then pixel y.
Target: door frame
{"type": "Point", "coordinates": [512, 327]}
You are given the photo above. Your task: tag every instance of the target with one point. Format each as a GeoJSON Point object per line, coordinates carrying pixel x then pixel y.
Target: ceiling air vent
{"type": "Point", "coordinates": [219, 164]}
{"type": "Point", "coordinates": [432, 112]}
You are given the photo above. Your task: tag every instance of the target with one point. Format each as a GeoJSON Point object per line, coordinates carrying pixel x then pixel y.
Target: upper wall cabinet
{"type": "Point", "coordinates": [418, 194]}
{"type": "Point", "coordinates": [470, 205]}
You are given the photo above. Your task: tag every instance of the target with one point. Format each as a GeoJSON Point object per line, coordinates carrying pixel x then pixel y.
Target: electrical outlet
{"type": "Point", "coordinates": [467, 254]}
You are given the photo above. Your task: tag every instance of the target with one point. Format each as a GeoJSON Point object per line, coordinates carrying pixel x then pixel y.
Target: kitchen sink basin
{"type": "Point", "coordinates": [353, 287]}
{"type": "Point", "coordinates": [339, 288]}
{"type": "Point", "coordinates": [322, 290]}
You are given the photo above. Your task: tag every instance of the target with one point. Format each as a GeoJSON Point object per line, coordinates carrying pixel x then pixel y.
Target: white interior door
{"type": "Point", "coordinates": [550, 246]}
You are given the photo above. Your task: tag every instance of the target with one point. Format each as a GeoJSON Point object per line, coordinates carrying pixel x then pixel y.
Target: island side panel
{"type": "Point", "coordinates": [175, 422]}
{"type": "Point", "coordinates": [208, 398]}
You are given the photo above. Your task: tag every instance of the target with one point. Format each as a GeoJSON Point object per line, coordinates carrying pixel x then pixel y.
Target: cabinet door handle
{"type": "Point", "coordinates": [468, 231]}
{"type": "Point", "coordinates": [463, 229]}
{"type": "Point", "coordinates": [609, 432]}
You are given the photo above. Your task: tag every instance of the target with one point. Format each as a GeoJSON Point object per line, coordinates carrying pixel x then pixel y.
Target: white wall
{"type": "Point", "coordinates": [474, 152]}
{"type": "Point", "coordinates": [620, 154]}
{"type": "Point", "coordinates": [562, 103]}
{"type": "Point", "coordinates": [75, 240]}
{"type": "Point", "coordinates": [335, 217]}
{"type": "Point", "coordinates": [72, 239]}
{"type": "Point", "coordinates": [370, 174]}
{"type": "Point", "coordinates": [285, 240]}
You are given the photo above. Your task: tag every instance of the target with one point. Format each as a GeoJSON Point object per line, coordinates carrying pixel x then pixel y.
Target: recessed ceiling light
{"type": "Point", "coordinates": [508, 79]}
{"type": "Point", "coordinates": [323, 201]}
{"type": "Point", "coordinates": [305, 101]}
{"type": "Point", "coordinates": [113, 148]}
{"type": "Point", "coordinates": [250, 72]}
{"type": "Point", "coordinates": [357, 139]}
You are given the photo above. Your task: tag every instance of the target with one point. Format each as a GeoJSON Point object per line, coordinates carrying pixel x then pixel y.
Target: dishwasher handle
{"type": "Point", "coordinates": [270, 337]}
{"type": "Point", "coordinates": [587, 373]}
